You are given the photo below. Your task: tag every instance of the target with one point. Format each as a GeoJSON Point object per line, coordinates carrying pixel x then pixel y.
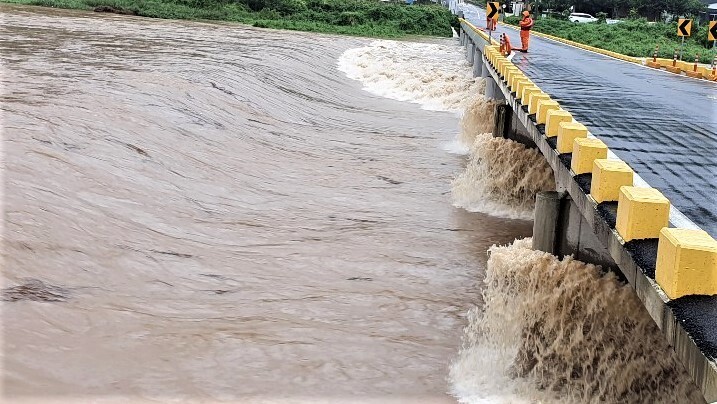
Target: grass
{"type": "Point", "coordinates": [351, 17]}
{"type": "Point", "coordinates": [632, 37]}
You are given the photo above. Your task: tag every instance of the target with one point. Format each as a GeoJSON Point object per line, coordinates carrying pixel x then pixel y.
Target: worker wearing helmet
{"type": "Point", "coordinates": [526, 24]}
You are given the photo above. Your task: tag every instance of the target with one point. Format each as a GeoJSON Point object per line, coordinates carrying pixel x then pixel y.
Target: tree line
{"type": "Point", "coordinates": [653, 10]}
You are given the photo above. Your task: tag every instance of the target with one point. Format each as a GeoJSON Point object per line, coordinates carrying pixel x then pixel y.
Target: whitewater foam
{"type": "Point", "coordinates": [477, 118]}
{"type": "Point", "coordinates": [555, 330]}
{"type": "Point", "coordinates": [502, 178]}
{"type": "Point", "coordinates": [436, 76]}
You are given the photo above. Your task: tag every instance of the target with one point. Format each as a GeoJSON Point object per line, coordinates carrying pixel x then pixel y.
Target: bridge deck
{"type": "Point", "coordinates": [687, 323]}
{"type": "Point", "coordinates": [663, 125]}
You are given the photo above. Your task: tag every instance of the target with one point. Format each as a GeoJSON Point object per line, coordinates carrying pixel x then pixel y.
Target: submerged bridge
{"type": "Point", "coordinates": [634, 152]}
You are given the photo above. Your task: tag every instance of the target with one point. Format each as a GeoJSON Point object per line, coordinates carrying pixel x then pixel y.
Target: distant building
{"type": "Point", "coordinates": [518, 7]}
{"type": "Point", "coordinates": [712, 11]}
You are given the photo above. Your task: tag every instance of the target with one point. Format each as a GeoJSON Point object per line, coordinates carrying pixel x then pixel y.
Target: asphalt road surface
{"type": "Point", "coordinates": [663, 125]}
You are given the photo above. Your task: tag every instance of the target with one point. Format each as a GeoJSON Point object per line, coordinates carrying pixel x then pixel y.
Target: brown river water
{"type": "Point", "coordinates": [203, 212]}
{"type": "Point", "coordinates": [200, 212]}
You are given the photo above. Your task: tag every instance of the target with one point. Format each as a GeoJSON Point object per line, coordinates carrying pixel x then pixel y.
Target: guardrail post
{"type": "Point", "coordinates": [654, 63]}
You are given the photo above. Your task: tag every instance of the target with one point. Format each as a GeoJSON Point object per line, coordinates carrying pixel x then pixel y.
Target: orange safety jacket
{"type": "Point", "coordinates": [526, 24]}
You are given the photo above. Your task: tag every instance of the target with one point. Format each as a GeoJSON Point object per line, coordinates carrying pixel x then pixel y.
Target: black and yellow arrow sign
{"type": "Point", "coordinates": [492, 10]}
{"type": "Point", "coordinates": [684, 27]}
{"type": "Point", "coordinates": [712, 32]}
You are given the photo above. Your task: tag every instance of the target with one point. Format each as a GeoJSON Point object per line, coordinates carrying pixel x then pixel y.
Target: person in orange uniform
{"type": "Point", "coordinates": [526, 24]}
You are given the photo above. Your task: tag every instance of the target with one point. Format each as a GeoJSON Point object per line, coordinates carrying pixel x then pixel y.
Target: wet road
{"type": "Point", "coordinates": [663, 125]}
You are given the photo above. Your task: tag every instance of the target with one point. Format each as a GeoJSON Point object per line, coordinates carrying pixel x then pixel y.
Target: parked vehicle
{"type": "Point", "coordinates": [580, 17]}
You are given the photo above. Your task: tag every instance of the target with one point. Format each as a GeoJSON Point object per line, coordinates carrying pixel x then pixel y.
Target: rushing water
{"type": "Point", "coordinates": [209, 212]}
{"type": "Point", "coordinates": [213, 212]}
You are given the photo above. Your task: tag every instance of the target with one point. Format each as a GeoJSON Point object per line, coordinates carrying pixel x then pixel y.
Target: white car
{"type": "Point", "coordinates": [580, 17]}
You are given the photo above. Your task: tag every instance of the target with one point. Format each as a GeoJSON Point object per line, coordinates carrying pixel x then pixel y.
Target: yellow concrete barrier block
{"type": "Point", "coordinates": [676, 69]}
{"type": "Point", "coordinates": [567, 133]}
{"type": "Point", "coordinates": [543, 107]}
{"type": "Point", "coordinates": [517, 80]}
{"type": "Point", "coordinates": [685, 65]}
{"type": "Point", "coordinates": [490, 54]}
{"type": "Point", "coordinates": [511, 75]}
{"type": "Point", "coordinates": [521, 85]}
{"type": "Point", "coordinates": [535, 98]}
{"type": "Point", "coordinates": [686, 263]}
{"type": "Point", "coordinates": [507, 65]}
{"type": "Point", "coordinates": [608, 177]}
{"type": "Point", "coordinates": [554, 119]}
{"type": "Point", "coordinates": [585, 151]}
{"type": "Point", "coordinates": [641, 213]}
{"type": "Point", "coordinates": [507, 68]}
{"type": "Point", "coordinates": [527, 91]}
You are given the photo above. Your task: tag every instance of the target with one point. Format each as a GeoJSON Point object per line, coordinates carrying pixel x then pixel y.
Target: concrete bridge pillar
{"type": "Point", "coordinates": [469, 49]}
{"type": "Point", "coordinates": [559, 228]}
{"type": "Point", "coordinates": [545, 224]}
{"type": "Point", "coordinates": [492, 91]}
{"type": "Point", "coordinates": [477, 62]}
{"type": "Point", "coordinates": [484, 70]}
{"type": "Point", "coordinates": [461, 36]}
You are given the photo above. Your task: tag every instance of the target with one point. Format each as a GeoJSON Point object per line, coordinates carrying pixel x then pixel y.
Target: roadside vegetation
{"type": "Point", "coordinates": [632, 37]}
{"type": "Point", "coordinates": [351, 17]}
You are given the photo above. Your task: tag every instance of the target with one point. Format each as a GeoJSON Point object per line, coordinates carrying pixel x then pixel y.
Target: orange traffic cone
{"type": "Point", "coordinates": [507, 48]}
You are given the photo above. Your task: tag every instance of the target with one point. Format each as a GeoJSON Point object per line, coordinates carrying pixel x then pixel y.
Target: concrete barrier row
{"type": "Point", "coordinates": [703, 71]}
{"type": "Point", "coordinates": [686, 258]}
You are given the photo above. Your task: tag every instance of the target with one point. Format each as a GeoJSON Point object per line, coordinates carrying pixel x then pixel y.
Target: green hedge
{"type": "Point", "coordinates": [352, 17]}
{"type": "Point", "coordinates": [630, 37]}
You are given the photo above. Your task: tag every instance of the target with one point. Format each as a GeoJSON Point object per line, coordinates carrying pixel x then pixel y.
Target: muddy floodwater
{"type": "Point", "coordinates": [211, 212]}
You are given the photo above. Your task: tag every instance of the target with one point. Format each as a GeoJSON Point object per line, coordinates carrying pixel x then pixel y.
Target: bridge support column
{"type": "Point", "coordinates": [545, 224]}
{"type": "Point", "coordinates": [477, 62]}
{"type": "Point", "coordinates": [461, 36]}
{"type": "Point", "coordinates": [470, 46]}
{"type": "Point", "coordinates": [484, 69]}
{"type": "Point", "coordinates": [560, 229]}
{"type": "Point", "coordinates": [503, 121]}
{"type": "Point", "coordinates": [492, 91]}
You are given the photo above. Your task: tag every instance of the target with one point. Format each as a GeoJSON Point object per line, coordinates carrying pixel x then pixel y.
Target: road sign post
{"type": "Point", "coordinates": [491, 14]}
{"type": "Point", "coordinates": [684, 28]}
